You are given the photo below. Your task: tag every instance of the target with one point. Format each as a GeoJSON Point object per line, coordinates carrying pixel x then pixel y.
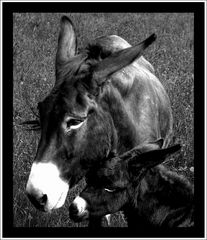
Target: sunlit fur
{"type": "Point", "coordinates": [116, 112]}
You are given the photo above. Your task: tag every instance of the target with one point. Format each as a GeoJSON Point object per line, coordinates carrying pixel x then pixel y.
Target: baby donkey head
{"type": "Point", "coordinates": [116, 184]}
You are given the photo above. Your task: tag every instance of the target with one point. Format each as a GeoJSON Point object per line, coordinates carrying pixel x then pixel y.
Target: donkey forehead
{"type": "Point", "coordinates": [66, 98]}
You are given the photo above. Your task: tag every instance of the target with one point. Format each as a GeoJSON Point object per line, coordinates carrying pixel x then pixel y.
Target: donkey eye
{"type": "Point", "coordinates": [72, 123]}
{"type": "Point", "coordinates": [109, 190]}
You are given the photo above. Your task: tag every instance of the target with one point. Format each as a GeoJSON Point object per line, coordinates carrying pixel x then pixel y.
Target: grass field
{"type": "Point", "coordinates": [34, 48]}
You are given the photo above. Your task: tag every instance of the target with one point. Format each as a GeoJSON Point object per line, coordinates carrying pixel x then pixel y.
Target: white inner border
{"type": "Point", "coordinates": [205, 85]}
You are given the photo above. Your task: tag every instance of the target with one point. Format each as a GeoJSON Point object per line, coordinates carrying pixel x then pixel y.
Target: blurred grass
{"type": "Point", "coordinates": [34, 48]}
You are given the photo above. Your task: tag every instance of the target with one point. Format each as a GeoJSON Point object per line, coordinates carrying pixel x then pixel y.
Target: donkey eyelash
{"type": "Point", "coordinates": [33, 125]}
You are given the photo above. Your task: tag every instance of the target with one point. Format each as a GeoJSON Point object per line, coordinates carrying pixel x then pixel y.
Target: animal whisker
{"type": "Point", "coordinates": [34, 125]}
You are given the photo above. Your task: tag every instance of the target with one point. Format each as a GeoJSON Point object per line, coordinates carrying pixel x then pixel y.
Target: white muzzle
{"type": "Point", "coordinates": [45, 180]}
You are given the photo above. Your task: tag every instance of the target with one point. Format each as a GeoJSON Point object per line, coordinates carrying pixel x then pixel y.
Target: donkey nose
{"type": "Point", "coordinates": [38, 200]}
{"type": "Point", "coordinates": [78, 210]}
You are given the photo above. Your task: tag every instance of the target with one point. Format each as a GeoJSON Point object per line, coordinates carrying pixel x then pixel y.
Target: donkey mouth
{"type": "Point", "coordinates": [43, 205]}
{"type": "Point", "coordinates": [36, 203]}
{"type": "Point", "coordinates": [79, 217]}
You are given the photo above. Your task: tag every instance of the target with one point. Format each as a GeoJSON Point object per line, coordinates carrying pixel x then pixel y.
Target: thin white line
{"type": "Point", "coordinates": [205, 109]}
{"type": "Point", "coordinates": [162, 1]}
{"type": "Point", "coordinates": [1, 189]}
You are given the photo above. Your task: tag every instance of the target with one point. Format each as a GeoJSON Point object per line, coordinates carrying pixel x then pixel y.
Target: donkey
{"type": "Point", "coordinates": [135, 183]}
{"type": "Point", "coordinates": [106, 100]}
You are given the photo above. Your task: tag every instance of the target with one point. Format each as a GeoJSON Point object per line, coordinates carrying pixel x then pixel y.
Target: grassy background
{"type": "Point", "coordinates": [34, 48]}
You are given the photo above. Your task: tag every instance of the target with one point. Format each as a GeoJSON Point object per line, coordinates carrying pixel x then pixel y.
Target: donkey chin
{"type": "Point", "coordinates": [45, 188]}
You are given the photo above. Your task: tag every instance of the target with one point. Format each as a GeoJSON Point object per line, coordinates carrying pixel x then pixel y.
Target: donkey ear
{"type": "Point", "coordinates": [67, 41]}
{"type": "Point", "coordinates": [152, 158]}
{"type": "Point", "coordinates": [119, 60]}
{"type": "Point", "coordinates": [149, 146]}
{"type": "Point", "coordinates": [159, 142]}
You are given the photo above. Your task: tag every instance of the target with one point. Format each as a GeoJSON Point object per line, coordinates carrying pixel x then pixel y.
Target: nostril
{"type": "Point", "coordinates": [38, 202]}
{"type": "Point", "coordinates": [73, 209]}
{"type": "Point", "coordinates": [73, 213]}
{"type": "Point", "coordinates": [43, 200]}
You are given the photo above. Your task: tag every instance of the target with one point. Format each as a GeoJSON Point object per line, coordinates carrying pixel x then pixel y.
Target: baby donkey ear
{"type": "Point", "coordinates": [152, 158]}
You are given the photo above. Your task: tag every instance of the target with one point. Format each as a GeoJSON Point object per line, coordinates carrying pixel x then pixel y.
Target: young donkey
{"type": "Point", "coordinates": [148, 193]}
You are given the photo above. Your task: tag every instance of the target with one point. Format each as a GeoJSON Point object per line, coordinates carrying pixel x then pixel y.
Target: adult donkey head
{"type": "Point", "coordinates": [77, 129]}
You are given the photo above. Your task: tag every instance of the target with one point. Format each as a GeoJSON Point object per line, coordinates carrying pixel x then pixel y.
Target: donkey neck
{"type": "Point", "coordinates": [162, 199]}
{"type": "Point", "coordinates": [132, 125]}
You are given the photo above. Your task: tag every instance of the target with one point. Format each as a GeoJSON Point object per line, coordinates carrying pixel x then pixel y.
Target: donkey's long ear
{"type": "Point", "coordinates": [152, 158]}
{"type": "Point", "coordinates": [67, 42]}
{"type": "Point", "coordinates": [119, 60]}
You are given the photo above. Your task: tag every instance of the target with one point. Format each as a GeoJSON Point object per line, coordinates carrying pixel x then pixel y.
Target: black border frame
{"type": "Point", "coordinates": [8, 8]}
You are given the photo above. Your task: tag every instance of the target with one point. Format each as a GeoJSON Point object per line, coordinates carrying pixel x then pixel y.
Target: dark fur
{"type": "Point", "coordinates": [149, 196]}
{"type": "Point", "coordinates": [123, 109]}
